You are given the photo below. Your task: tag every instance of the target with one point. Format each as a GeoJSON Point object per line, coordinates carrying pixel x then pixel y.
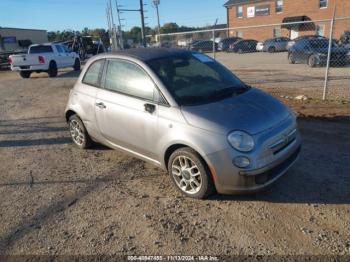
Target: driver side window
{"type": "Point", "coordinates": [129, 79]}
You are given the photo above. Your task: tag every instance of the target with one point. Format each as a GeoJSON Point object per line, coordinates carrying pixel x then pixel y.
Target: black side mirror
{"type": "Point", "coordinates": [150, 108]}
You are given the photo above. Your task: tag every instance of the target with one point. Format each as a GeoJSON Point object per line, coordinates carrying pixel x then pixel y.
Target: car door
{"type": "Point", "coordinates": [62, 57]}
{"type": "Point", "coordinates": [305, 52]}
{"type": "Point", "coordinates": [298, 49]}
{"type": "Point", "coordinates": [70, 56]}
{"type": "Point", "coordinates": [126, 112]}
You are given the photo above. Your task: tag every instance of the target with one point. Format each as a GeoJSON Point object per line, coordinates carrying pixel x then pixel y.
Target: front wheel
{"type": "Point", "coordinates": [190, 174]}
{"type": "Point", "coordinates": [291, 59]}
{"type": "Point", "coordinates": [78, 132]}
{"type": "Point", "coordinates": [312, 61]}
{"type": "Point", "coordinates": [25, 74]}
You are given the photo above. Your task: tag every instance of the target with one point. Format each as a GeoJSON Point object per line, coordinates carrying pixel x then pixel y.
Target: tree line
{"type": "Point", "coordinates": [134, 33]}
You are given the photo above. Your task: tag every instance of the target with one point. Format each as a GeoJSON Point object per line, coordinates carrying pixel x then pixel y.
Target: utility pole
{"type": "Point", "coordinates": [121, 40]}
{"type": "Point", "coordinates": [142, 24]}
{"type": "Point", "coordinates": [156, 3]}
{"type": "Point", "coordinates": [143, 38]}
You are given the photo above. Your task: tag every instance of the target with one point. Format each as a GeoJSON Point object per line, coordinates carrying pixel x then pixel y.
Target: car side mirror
{"type": "Point", "coordinates": [150, 108]}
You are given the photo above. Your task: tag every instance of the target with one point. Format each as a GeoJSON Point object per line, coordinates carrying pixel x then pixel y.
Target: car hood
{"type": "Point", "coordinates": [253, 111]}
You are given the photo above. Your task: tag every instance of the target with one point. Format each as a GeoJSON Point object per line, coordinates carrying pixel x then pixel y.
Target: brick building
{"type": "Point", "coordinates": [250, 13]}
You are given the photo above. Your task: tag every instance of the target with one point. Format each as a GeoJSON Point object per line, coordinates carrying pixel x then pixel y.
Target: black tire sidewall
{"type": "Point", "coordinates": [25, 74]}
{"type": "Point", "coordinates": [207, 188]}
{"type": "Point", "coordinates": [52, 69]}
{"type": "Point", "coordinates": [76, 65]}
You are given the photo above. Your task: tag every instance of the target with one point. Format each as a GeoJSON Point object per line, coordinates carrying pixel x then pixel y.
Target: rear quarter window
{"type": "Point", "coordinates": [94, 73]}
{"type": "Point", "coordinates": [40, 49]}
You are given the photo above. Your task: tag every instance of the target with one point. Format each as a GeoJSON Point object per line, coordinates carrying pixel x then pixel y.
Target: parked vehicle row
{"type": "Point", "coordinates": [44, 58]}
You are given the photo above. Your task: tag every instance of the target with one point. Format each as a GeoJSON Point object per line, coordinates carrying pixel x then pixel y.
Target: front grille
{"type": "Point", "coordinates": [277, 170]}
{"type": "Point", "coordinates": [283, 142]}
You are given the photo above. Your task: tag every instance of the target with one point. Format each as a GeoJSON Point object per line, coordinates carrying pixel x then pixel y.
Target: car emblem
{"type": "Point", "coordinates": [285, 139]}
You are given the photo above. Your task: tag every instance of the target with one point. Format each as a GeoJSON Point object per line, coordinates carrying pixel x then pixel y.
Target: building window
{"type": "Point", "coordinates": [323, 3]}
{"type": "Point", "coordinates": [320, 30]}
{"type": "Point", "coordinates": [239, 11]}
{"type": "Point", "coordinates": [279, 6]}
{"type": "Point", "coordinates": [277, 31]}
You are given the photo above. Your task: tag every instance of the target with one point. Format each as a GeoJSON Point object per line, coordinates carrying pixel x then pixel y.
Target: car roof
{"type": "Point", "coordinates": [151, 53]}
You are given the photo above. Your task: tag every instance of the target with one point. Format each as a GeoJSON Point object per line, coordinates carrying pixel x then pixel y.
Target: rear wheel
{"type": "Point", "coordinates": [76, 65]}
{"type": "Point", "coordinates": [25, 74]}
{"type": "Point", "coordinates": [78, 132]}
{"type": "Point", "coordinates": [240, 51]}
{"type": "Point", "coordinates": [52, 69]}
{"type": "Point", "coordinates": [190, 173]}
{"type": "Point", "coordinates": [312, 61]}
{"type": "Point", "coordinates": [272, 49]}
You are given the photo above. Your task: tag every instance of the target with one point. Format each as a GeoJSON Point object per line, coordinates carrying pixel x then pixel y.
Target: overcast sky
{"type": "Point", "coordinates": [77, 14]}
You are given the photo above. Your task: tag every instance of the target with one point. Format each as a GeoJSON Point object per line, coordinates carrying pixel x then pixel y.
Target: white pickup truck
{"type": "Point", "coordinates": [44, 58]}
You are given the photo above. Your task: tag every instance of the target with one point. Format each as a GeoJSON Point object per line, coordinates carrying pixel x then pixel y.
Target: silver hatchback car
{"type": "Point", "coordinates": [186, 113]}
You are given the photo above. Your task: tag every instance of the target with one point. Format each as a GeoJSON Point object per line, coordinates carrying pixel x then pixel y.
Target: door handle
{"type": "Point", "coordinates": [150, 108]}
{"type": "Point", "coordinates": [100, 105]}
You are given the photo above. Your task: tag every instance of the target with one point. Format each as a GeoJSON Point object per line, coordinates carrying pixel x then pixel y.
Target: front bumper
{"type": "Point", "coordinates": [229, 179]}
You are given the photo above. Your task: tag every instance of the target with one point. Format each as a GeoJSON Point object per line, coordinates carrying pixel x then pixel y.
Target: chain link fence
{"type": "Point", "coordinates": [305, 59]}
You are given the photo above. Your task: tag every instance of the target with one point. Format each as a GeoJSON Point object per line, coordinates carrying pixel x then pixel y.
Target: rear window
{"type": "Point", "coordinates": [40, 49]}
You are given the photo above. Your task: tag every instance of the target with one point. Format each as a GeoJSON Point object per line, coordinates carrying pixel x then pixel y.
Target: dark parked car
{"type": "Point", "coordinates": [203, 46]}
{"type": "Point", "coordinates": [345, 38]}
{"type": "Point", "coordinates": [314, 52]}
{"type": "Point", "coordinates": [277, 44]}
{"type": "Point", "coordinates": [225, 43]}
{"type": "Point", "coordinates": [292, 42]}
{"type": "Point", "coordinates": [244, 46]}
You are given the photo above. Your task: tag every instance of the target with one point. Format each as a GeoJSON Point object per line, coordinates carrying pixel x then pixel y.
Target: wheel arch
{"type": "Point", "coordinates": [70, 113]}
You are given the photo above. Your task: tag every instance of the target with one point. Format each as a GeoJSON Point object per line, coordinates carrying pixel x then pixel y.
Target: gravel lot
{"type": "Point", "coordinates": [57, 199]}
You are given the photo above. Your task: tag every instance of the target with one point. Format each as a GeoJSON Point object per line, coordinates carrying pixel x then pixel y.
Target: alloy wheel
{"type": "Point", "coordinates": [186, 174]}
{"type": "Point", "coordinates": [77, 132]}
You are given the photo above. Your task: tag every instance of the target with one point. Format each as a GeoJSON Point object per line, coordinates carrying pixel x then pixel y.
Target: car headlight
{"type": "Point", "coordinates": [241, 141]}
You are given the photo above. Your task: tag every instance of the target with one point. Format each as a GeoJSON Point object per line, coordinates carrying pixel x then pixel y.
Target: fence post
{"type": "Point", "coordinates": [214, 49]}
{"type": "Point", "coordinates": [324, 97]}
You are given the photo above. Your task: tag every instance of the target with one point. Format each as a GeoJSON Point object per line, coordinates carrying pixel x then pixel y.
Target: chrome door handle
{"type": "Point", "coordinates": [100, 105]}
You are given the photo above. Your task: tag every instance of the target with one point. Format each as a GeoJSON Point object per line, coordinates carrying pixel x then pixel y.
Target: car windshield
{"type": "Point", "coordinates": [196, 79]}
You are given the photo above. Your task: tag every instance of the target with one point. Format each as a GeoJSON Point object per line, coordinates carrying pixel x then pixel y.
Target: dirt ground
{"type": "Point", "coordinates": [59, 200]}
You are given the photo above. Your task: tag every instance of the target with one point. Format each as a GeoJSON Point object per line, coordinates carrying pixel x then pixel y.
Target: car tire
{"type": "Point", "coordinates": [190, 174]}
{"type": "Point", "coordinates": [240, 51]}
{"type": "Point", "coordinates": [25, 74]}
{"type": "Point", "coordinates": [52, 69]}
{"type": "Point", "coordinates": [272, 49]}
{"type": "Point", "coordinates": [78, 132]}
{"type": "Point", "coordinates": [77, 65]}
{"type": "Point", "coordinates": [291, 59]}
{"type": "Point", "coordinates": [311, 61]}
